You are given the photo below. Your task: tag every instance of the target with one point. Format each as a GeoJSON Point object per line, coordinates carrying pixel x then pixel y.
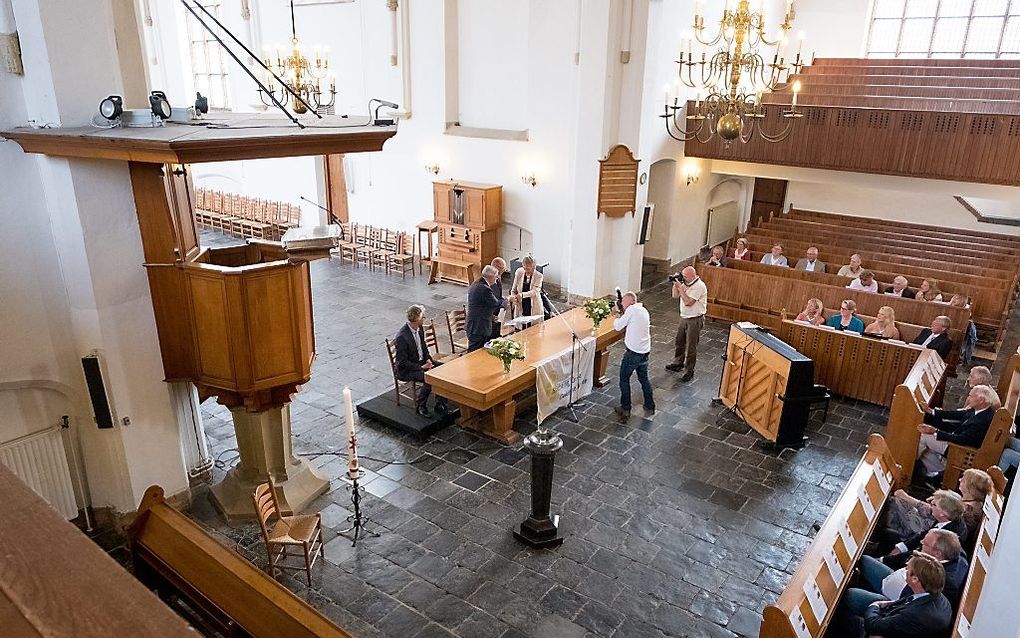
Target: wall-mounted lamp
{"type": "Point", "coordinates": [529, 179]}
{"type": "Point", "coordinates": [693, 173]}
{"type": "Point", "coordinates": [432, 167]}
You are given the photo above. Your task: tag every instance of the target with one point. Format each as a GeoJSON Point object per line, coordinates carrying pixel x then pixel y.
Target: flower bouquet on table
{"type": "Point", "coordinates": [597, 309]}
{"type": "Point", "coordinates": [507, 351]}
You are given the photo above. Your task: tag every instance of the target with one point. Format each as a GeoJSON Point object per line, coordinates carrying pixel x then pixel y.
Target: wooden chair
{"type": "Point", "coordinates": [432, 342]}
{"type": "Point", "coordinates": [456, 322]}
{"type": "Point", "coordinates": [301, 531]}
{"type": "Point", "coordinates": [400, 388]}
{"type": "Point", "coordinates": [389, 245]}
{"type": "Point", "coordinates": [402, 260]}
{"type": "Point", "coordinates": [371, 243]}
{"type": "Point", "coordinates": [348, 248]}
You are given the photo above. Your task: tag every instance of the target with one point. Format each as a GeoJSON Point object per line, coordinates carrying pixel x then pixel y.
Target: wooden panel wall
{"type": "Point", "coordinates": [952, 146]}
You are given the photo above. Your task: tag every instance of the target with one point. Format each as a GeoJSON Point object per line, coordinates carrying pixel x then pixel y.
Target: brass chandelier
{"type": "Point", "coordinates": [733, 78]}
{"type": "Point", "coordinates": [304, 78]}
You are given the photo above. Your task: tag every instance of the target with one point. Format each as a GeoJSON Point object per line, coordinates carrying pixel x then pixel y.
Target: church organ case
{"type": "Point", "coordinates": [469, 216]}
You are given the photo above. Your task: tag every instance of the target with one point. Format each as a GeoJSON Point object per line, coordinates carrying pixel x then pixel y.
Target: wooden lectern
{"type": "Point", "coordinates": [469, 216]}
{"type": "Point", "coordinates": [768, 384]}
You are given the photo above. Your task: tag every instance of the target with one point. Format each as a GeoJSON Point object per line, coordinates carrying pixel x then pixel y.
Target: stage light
{"type": "Point", "coordinates": [160, 105]}
{"type": "Point", "coordinates": [111, 107]}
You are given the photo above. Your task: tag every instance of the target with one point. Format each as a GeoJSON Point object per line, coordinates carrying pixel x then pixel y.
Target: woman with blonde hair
{"type": "Point", "coordinates": [528, 285]}
{"type": "Point", "coordinates": [741, 251]}
{"type": "Point", "coordinates": [813, 313]}
{"type": "Point", "coordinates": [929, 290]}
{"type": "Point", "coordinates": [884, 324]}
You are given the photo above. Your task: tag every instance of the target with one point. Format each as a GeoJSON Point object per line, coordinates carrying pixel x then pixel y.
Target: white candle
{"type": "Point", "coordinates": [352, 447]}
{"type": "Point", "coordinates": [796, 90]}
{"type": "Point", "coordinates": [800, 42]}
{"type": "Point", "coordinates": [697, 104]}
{"type": "Point", "coordinates": [665, 90]}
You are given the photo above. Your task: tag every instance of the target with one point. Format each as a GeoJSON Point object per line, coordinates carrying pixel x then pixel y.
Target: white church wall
{"type": "Point", "coordinates": [831, 29]}
{"type": "Point", "coordinates": [78, 278]}
{"type": "Point", "coordinates": [924, 201]}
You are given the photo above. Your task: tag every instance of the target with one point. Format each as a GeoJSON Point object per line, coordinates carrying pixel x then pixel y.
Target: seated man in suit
{"type": "Point", "coordinates": [811, 263]}
{"type": "Point", "coordinates": [900, 288]}
{"type": "Point", "coordinates": [413, 359]}
{"type": "Point", "coordinates": [718, 258]}
{"type": "Point", "coordinates": [937, 337]}
{"type": "Point", "coordinates": [924, 612]}
{"type": "Point", "coordinates": [962, 427]}
{"type": "Point", "coordinates": [881, 582]}
{"type": "Point", "coordinates": [482, 306]}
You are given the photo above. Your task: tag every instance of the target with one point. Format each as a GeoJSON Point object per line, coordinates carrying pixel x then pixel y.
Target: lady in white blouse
{"type": "Point", "coordinates": [929, 290]}
{"type": "Point", "coordinates": [528, 285]}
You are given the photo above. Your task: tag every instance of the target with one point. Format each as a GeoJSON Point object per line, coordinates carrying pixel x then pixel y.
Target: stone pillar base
{"type": "Point", "coordinates": [263, 441]}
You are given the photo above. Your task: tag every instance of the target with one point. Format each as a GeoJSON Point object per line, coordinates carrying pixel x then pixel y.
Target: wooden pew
{"type": "Point", "coordinates": [739, 295]}
{"type": "Point", "coordinates": [835, 249]}
{"type": "Point", "coordinates": [894, 241]}
{"type": "Point", "coordinates": [960, 457]}
{"type": "Point", "coordinates": [978, 236]}
{"type": "Point", "coordinates": [851, 365]}
{"type": "Point", "coordinates": [987, 534]}
{"type": "Point", "coordinates": [1009, 380]}
{"type": "Point", "coordinates": [222, 591]}
{"type": "Point", "coordinates": [793, 605]}
{"type": "Point", "coordinates": [924, 383]}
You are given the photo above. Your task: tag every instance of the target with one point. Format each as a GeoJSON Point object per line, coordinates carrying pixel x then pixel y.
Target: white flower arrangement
{"type": "Point", "coordinates": [507, 351]}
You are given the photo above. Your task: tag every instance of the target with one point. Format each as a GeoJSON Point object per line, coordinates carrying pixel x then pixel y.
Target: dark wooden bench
{"type": "Point", "coordinates": [216, 588]}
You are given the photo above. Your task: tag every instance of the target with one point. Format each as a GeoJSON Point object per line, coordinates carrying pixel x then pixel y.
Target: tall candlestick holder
{"type": "Point", "coordinates": [357, 519]}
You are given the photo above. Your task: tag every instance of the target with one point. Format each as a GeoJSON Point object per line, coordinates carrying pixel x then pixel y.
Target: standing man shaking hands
{"type": "Point", "coordinates": [638, 340]}
{"type": "Point", "coordinates": [693, 296]}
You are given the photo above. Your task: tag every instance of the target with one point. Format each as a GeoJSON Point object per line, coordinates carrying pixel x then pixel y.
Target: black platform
{"type": "Point", "coordinates": [384, 409]}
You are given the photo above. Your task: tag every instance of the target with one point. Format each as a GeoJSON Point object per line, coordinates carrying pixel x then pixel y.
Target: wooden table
{"type": "Point", "coordinates": [477, 382]}
{"type": "Point", "coordinates": [428, 228]}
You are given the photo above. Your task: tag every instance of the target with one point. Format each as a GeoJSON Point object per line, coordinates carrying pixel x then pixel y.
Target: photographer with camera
{"type": "Point", "coordinates": [693, 298]}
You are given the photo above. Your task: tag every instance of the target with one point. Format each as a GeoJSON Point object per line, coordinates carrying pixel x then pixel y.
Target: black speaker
{"type": "Point", "coordinates": [97, 391]}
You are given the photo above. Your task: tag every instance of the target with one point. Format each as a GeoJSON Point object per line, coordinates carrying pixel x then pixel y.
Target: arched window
{"type": "Point", "coordinates": [944, 29]}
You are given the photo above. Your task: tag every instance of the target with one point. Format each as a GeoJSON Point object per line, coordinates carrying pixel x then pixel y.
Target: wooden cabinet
{"type": "Point", "coordinates": [469, 216]}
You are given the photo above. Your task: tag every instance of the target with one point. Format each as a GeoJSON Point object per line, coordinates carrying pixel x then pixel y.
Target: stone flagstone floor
{"type": "Point", "coordinates": [685, 524]}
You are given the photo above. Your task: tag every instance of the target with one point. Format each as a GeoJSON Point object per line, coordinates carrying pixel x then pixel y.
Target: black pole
{"type": "Point", "coordinates": [293, 27]}
{"type": "Point", "coordinates": [541, 529]}
{"type": "Point", "coordinates": [242, 64]}
{"type": "Point", "coordinates": [258, 59]}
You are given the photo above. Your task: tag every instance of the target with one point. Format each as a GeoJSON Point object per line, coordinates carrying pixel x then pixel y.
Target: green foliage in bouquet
{"type": "Point", "coordinates": [597, 310]}
{"type": "Point", "coordinates": [507, 351]}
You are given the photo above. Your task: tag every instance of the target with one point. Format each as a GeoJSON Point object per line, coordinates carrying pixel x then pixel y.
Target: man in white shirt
{"type": "Point", "coordinates": [865, 283]}
{"type": "Point", "coordinates": [693, 296]}
{"type": "Point", "coordinates": [638, 339]}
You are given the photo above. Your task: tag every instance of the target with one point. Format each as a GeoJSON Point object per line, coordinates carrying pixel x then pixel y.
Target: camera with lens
{"type": "Point", "coordinates": [676, 278]}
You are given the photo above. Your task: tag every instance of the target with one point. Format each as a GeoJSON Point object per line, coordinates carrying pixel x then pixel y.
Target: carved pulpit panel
{"type": "Point", "coordinates": [618, 182]}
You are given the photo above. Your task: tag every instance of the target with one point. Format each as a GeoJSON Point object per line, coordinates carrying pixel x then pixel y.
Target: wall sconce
{"type": "Point", "coordinates": [693, 173]}
{"type": "Point", "coordinates": [432, 167]}
{"type": "Point", "coordinates": [529, 179]}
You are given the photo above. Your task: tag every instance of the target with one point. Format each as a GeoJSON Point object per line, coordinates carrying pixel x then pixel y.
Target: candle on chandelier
{"type": "Point", "coordinates": [697, 103]}
{"type": "Point", "coordinates": [352, 441]}
{"type": "Point", "coordinates": [800, 43]}
{"type": "Point", "coordinates": [789, 7]}
{"type": "Point", "coordinates": [697, 8]}
{"type": "Point", "coordinates": [318, 55]}
{"type": "Point", "coordinates": [332, 83]}
{"type": "Point", "coordinates": [796, 90]}
{"type": "Point", "coordinates": [676, 92]}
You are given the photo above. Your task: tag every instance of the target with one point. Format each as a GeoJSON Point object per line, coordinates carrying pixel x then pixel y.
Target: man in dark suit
{"type": "Point", "coordinates": [899, 288]}
{"type": "Point", "coordinates": [482, 306]}
{"type": "Point", "coordinates": [937, 337]}
{"type": "Point", "coordinates": [962, 427]}
{"type": "Point", "coordinates": [943, 544]}
{"type": "Point", "coordinates": [497, 289]}
{"type": "Point", "coordinates": [413, 359]}
{"type": "Point", "coordinates": [947, 508]}
{"type": "Point", "coordinates": [924, 613]}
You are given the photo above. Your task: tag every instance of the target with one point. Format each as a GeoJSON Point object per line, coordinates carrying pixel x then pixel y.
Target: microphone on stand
{"type": "Point", "coordinates": [327, 211]}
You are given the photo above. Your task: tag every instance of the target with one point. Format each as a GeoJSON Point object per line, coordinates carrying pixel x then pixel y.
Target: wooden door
{"type": "Point", "coordinates": [180, 195]}
{"type": "Point", "coordinates": [336, 189]}
{"type": "Point", "coordinates": [769, 197]}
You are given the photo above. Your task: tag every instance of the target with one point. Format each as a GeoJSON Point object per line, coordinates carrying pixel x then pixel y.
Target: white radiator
{"type": "Point", "coordinates": [39, 460]}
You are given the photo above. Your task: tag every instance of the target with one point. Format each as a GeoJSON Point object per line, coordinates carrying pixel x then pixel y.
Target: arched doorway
{"type": "Point", "coordinates": [661, 193]}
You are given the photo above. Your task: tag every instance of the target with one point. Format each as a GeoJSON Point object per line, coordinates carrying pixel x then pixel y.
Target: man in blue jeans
{"type": "Point", "coordinates": [638, 340]}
